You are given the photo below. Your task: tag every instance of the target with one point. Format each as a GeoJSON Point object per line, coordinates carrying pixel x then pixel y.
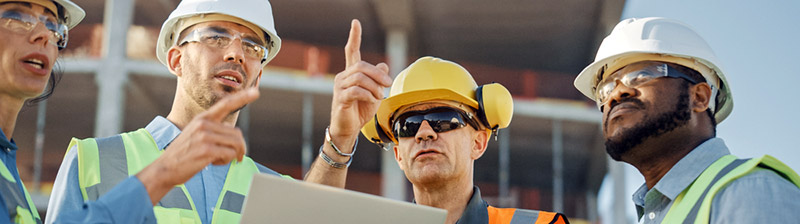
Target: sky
{"type": "Point", "coordinates": [757, 44]}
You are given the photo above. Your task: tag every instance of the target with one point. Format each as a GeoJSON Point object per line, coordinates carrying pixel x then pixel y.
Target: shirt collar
{"type": "Point", "coordinates": [683, 173]}
{"type": "Point", "coordinates": [163, 131]}
{"type": "Point", "coordinates": [475, 212]}
{"type": "Point", "coordinates": [6, 144]}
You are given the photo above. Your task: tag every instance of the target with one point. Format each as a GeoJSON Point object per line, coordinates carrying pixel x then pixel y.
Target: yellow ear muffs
{"type": "Point", "coordinates": [496, 106]}
{"type": "Point", "coordinates": [375, 134]}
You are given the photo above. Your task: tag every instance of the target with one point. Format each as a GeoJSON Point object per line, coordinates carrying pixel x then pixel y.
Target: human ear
{"type": "Point", "coordinates": [398, 158]}
{"type": "Point", "coordinates": [480, 141]}
{"type": "Point", "coordinates": [700, 97]}
{"type": "Point", "coordinates": [174, 56]}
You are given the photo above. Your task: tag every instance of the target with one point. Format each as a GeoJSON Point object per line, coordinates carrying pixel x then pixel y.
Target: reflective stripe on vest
{"type": "Point", "coordinates": [20, 209]}
{"type": "Point", "coordinates": [520, 216]}
{"type": "Point", "coordinates": [104, 162]}
{"type": "Point", "coordinates": [693, 205]}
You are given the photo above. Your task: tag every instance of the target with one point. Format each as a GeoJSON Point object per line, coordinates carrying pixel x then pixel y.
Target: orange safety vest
{"type": "Point", "coordinates": [515, 216]}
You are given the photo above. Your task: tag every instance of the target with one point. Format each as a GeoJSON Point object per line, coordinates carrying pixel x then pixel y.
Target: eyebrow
{"type": "Point", "coordinates": [30, 6]}
{"type": "Point", "coordinates": [247, 36]}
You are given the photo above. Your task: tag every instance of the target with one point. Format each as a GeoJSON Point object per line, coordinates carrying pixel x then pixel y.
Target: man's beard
{"type": "Point", "coordinates": [650, 127]}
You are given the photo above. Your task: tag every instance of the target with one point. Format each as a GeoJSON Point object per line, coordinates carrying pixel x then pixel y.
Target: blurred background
{"type": "Point", "coordinates": [552, 156]}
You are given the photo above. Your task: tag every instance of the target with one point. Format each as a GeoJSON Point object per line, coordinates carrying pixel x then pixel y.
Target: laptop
{"type": "Point", "coordinates": [273, 199]}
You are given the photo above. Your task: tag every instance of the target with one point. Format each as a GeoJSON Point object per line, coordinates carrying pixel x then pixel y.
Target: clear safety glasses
{"type": "Point", "coordinates": [634, 78]}
{"type": "Point", "coordinates": [220, 38]}
{"type": "Point", "coordinates": [21, 21]}
{"type": "Point", "coordinates": [441, 119]}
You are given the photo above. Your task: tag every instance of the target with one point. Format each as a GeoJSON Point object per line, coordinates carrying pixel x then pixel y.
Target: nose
{"type": "Point", "coordinates": [41, 35]}
{"type": "Point", "coordinates": [620, 92]}
{"type": "Point", "coordinates": [425, 132]}
{"type": "Point", "coordinates": [234, 52]}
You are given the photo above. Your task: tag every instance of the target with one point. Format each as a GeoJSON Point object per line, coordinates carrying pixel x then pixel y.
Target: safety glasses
{"type": "Point", "coordinates": [220, 38]}
{"type": "Point", "coordinates": [636, 78]}
{"type": "Point", "coordinates": [441, 119]}
{"type": "Point", "coordinates": [21, 21]}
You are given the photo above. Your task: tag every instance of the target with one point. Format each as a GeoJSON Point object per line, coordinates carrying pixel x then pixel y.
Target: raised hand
{"type": "Point", "coordinates": [357, 92]}
{"type": "Point", "coordinates": [205, 140]}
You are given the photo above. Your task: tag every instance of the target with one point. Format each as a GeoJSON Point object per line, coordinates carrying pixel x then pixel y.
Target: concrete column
{"type": "Point", "coordinates": [558, 167]}
{"type": "Point", "coordinates": [41, 116]}
{"type": "Point", "coordinates": [617, 172]}
{"type": "Point", "coordinates": [308, 124]}
{"type": "Point", "coordinates": [112, 75]}
{"type": "Point", "coordinates": [393, 179]}
{"type": "Point", "coordinates": [243, 122]}
{"type": "Point", "coordinates": [503, 162]}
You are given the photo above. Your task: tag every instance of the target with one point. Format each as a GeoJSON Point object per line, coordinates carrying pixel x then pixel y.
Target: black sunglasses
{"type": "Point", "coordinates": [441, 119]}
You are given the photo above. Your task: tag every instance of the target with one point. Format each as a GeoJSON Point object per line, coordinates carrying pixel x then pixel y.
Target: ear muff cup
{"type": "Point", "coordinates": [375, 134]}
{"type": "Point", "coordinates": [496, 105]}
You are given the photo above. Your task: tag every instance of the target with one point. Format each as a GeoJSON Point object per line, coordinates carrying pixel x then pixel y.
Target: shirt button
{"type": "Point", "coordinates": [652, 215]}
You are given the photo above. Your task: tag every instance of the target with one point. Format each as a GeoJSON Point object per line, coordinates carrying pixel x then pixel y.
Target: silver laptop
{"type": "Point", "coordinates": [274, 199]}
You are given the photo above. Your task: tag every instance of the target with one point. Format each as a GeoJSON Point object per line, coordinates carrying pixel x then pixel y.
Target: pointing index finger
{"type": "Point", "coordinates": [352, 51]}
{"type": "Point", "coordinates": [230, 104]}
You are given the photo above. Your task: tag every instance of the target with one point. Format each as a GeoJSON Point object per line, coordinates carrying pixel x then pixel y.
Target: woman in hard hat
{"type": "Point", "coordinates": [32, 33]}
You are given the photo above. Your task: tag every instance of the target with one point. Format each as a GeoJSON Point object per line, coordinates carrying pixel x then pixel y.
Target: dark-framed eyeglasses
{"type": "Point", "coordinates": [441, 119]}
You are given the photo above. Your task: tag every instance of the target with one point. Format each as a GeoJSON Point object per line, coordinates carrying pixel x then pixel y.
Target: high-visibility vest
{"type": "Point", "coordinates": [104, 162]}
{"type": "Point", "coordinates": [693, 205]}
{"type": "Point", "coordinates": [520, 216]}
{"type": "Point", "coordinates": [19, 210]}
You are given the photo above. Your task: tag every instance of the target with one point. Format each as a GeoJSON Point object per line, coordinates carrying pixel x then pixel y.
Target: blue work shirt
{"type": "Point", "coordinates": [204, 188]}
{"type": "Point", "coordinates": [762, 196]}
{"type": "Point", "coordinates": [8, 153]}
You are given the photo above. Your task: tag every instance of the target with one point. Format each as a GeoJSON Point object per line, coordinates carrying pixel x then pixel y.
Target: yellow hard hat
{"type": "Point", "coordinates": [430, 79]}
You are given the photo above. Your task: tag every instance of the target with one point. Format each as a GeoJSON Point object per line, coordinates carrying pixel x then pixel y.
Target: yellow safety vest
{"type": "Point", "coordinates": [104, 162]}
{"type": "Point", "coordinates": [693, 205]}
{"type": "Point", "coordinates": [19, 210]}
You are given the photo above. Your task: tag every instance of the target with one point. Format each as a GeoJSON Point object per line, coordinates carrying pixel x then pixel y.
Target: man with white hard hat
{"type": "Point", "coordinates": [662, 92]}
{"type": "Point", "coordinates": [181, 169]}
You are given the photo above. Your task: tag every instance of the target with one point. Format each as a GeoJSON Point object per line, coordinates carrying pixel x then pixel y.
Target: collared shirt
{"type": "Point", "coordinates": [762, 196]}
{"type": "Point", "coordinates": [204, 187]}
{"type": "Point", "coordinates": [8, 153]}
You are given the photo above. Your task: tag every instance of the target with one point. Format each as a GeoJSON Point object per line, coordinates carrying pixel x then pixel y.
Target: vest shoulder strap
{"type": "Point", "coordinates": [694, 204]}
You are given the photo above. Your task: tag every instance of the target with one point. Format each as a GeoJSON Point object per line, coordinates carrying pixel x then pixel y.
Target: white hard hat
{"type": "Point", "coordinates": [658, 39]}
{"type": "Point", "coordinates": [73, 14]}
{"type": "Point", "coordinates": [256, 13]}
{"type": "Point", "coordinates": [69, 12]}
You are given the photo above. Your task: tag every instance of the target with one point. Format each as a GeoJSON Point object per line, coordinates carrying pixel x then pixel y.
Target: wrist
{"type": "Point", "coordinates": [343, 145]}
{"type": "Point", "coordinates": [344, 142]}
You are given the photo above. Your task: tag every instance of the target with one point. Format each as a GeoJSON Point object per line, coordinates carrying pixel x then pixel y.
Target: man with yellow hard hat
{"type": "Point", "coordinates": [662, 93]}
{"type": "Point", "coordinates": [180, 168]}
{"type": "Point", "coordinates": [440, 121]}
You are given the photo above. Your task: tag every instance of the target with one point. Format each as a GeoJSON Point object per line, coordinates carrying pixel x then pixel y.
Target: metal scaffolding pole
{"type": "Point", "coordinates": [111, 74]}
{"type": "Point", "coordinates": [558, 167]}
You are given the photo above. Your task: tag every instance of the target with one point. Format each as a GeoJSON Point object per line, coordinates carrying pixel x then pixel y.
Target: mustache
{"type": "Point", "coordinates": [230, 66]}
{"type": "Point", "coordinates": [638, 103]}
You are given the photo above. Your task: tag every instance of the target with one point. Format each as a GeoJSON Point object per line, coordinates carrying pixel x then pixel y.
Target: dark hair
{"type": "Point", "coordinates": [55, 76]}
{"type": "Point", "coordinates": [699, 78]}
